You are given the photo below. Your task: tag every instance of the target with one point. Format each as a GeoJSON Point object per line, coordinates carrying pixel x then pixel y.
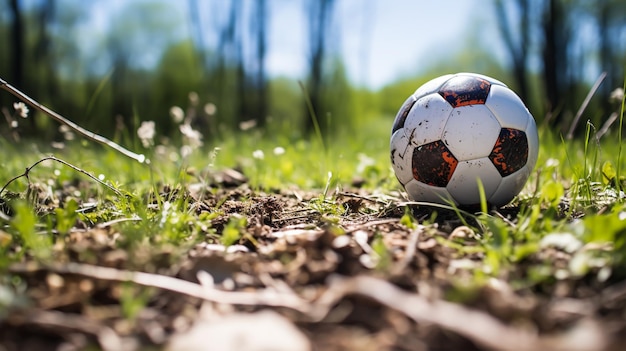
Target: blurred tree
{"type": "Point", "coordinates": [197, 30]}
{"type": "Point", "coordinates": [516, 40]}
{"type": "Point", "coordinates": [610, 19]}
{"type": "Point", "coordinates": [230, 67]}
{"type": "Point", "coordinates": [138, 35]}
{"type": "Point", "coordinates": [284, 107]}
{"type": "Point", "coordinates": [43, 55]}
{"type": "Point", "coordinates": [258, 77]}
{"type": "Point", "coordinates": [319, 16]}
{"type": "Point", "coordinates": [178, 73]}
{"type": "Point", "coordinates": [237, 77]}
{"type": "Point", "coordinates": [17, 44]}
{"type": "Point", "coordinates": [559, 31]}
{"type": "Point", "coordinates": [558, 73]}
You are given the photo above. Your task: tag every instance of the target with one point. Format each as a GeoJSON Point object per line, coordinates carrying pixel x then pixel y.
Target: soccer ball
{"type": "Point", "coordinates": [459, 131]}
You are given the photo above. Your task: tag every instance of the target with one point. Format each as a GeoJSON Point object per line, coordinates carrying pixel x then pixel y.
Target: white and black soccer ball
{"type": "Point", "coordinates": [461, 129]}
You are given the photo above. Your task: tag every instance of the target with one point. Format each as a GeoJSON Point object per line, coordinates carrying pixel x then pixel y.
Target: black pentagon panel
{"type": "Point", "coordinates": [465, 90]}
{"type": "Point", "coordinates": [404, 112]}
{"type": "Point", "coordinates": [433, 164]}
{"type": "Point", "coordinates": [510, 152]}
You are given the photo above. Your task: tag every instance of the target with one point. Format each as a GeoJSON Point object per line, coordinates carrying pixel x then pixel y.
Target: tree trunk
{"type": "Point", "coordinates": [319, 21]}
{"type": "Point", "coordinates": [260, 84]}
{"type": "Point", "coordinates": [17, 45]}
{"type": "Point", "coordinates": [556, 63]}
{"type": "Point", "coordinates": [518, 49]}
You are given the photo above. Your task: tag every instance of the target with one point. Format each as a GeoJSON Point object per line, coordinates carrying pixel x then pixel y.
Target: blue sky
{"type": "Point", "coordinates": [380, 40]}
{"type": "Point", "coordinates": [396, 37]}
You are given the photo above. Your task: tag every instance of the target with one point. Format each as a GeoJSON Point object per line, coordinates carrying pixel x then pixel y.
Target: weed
{"type": "Point", "coordinates": [24, 222]}
{"type": "Point", "coordinates": [234, 230]}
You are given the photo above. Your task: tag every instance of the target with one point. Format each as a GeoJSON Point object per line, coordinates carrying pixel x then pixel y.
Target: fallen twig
{"type": "Point", "coordinates": [372, 224]}
{"type": "Point", "coordinates": [28, 169]}
{"type": "Point", "coordinates": [118, 220]}
{"type": "Point", "coordinates": [107, 337]}
{"type": "Point", "coordinates": [478, 326]}
{"type": "Point", "coordinates": [411, 248]}
{"type": "Point", "coordinates": [267, 297]}
{"type": "Point", "coordinates": [75, 127]}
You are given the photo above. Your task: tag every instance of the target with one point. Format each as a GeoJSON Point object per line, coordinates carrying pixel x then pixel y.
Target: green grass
{"type": "Point", "coordinates": [574, 190]}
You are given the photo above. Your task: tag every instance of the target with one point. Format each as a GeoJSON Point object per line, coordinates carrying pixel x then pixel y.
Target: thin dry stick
{"type": "Point", "coordinates": [594, 88]}
{"type": "Point", "coordinates": [478, 326]}
{"type": "Point", "coordinates": [265, 297]}
{"type": "Point", "coordinates": [119, 220]}
{"type": "Point", "coordinates": [69, 322]}
{"type": "Point", "coordinates": [75, 127]}
{"type": "Point", "coordinates": [411, 248]}
{"type": "Point", "coordinates": [372, 224]}
{"type": "Point", "coordinates": [28, 169]}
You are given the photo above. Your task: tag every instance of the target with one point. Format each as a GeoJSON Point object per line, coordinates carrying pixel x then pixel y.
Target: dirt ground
{"type": "Point", "coordinates": [303, 278]}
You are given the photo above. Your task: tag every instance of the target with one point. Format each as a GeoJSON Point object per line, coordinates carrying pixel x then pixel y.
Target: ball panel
{"type": "Point", "coordinates": [403, 113]}
{"type": "Point", "coordinates": [471, 132]}
{"type": "Point", "coordinates": [433, 164]}
{"type": "Point", "coordinates": [427, 119]}
{"type": "Point", "coordinates": [464, 90]}
{"type": "Point", "coordinates": [509, 187]}
{"type": "Point", "coordinates": [510, 153]}
{"type": "Point", "coordinates": [399, 151]}
{"type": "Point", "coordinates": [508, 108]}
{"type": "Point", "coordinates": [482, 76]}
{"type": "Point", "coordinates": [421, 192]}
{"type": "Point", "coordinates": [463, 185]}
{"type": "Point", "coordinates": [431, 86]}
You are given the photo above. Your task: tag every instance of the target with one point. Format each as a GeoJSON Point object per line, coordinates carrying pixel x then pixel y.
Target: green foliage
{"type": "Point", "coordinates": [66, 217]}
{"type": "Point", "coordinates": [133, 299]}
{"type": "Point", "coordinates": [407, 219]}
{"type": "Point", "coordinates": [551, 193]}
{"type": "Point", "coordinates": [234, 230]}
{"type": "Point", "coordinates": [383, 256]}
{"type": "Point", "coordinates": [24, 223]}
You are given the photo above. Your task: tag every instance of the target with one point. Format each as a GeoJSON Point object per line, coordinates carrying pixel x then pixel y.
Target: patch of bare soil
{"type": "Point", "coordinates": [302, 279]}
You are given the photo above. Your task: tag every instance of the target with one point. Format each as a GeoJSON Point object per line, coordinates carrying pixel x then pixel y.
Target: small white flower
{"type": "Point", "coordinates": [258, 154]}
{"type": "Point", "coordinates": [564, 241]}
{"type": "Point", "coordinates": [617, 95]}
{"type": "Point", "coordinates": [210, 109]}
{"type": "Point", "coordinates": [364, 163]}
{"type": "Point", "coordinates": [279, 150]}
{"type": "Point", "coordinates": [185, 151]}
{"type": "Point", "coordinates": [177, 114]}
{"type": "Point", "coordinates": [67, 132]}
{"type": "Point", "coordinates": [192, 136]}
{"type": "Point", "coordinates": [552, 162]}
{"type": "Point", "coordinates": [21, 109]}
{"type": "Point", "coordinates": [193, 98]}
{"type": "Point", "coordinates": [247, 125]}
{"type": "Point", "coordinates": [165, 212]}
{"type": "Point", "coordinates": [146, 133]}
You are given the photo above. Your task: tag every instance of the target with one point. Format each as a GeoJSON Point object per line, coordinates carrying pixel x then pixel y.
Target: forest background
{"type": "Point", "coordinates": [109, 65]}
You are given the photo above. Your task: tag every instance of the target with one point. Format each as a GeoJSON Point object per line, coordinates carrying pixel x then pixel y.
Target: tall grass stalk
{"type": "Point", "coordinates": [618, 178]}
{"type": "Point", "coordinates": [316, 125]}
{"type": "Point", "coordinates": [99, 89]}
